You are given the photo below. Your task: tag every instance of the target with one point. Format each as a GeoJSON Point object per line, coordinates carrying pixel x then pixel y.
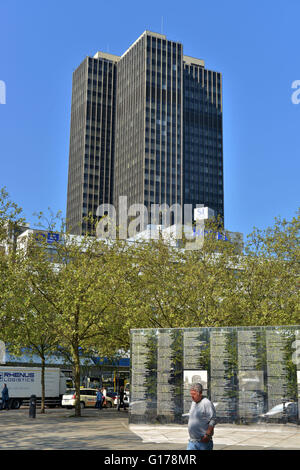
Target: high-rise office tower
{"type": "Point", "coordinates": [91, 158]}
{"type": "Point", "coordinates": [148, 151]}
{"type": "Point", "coordinates": [202, 136]}
{"type": "Point", "coordinates": [146, 125]}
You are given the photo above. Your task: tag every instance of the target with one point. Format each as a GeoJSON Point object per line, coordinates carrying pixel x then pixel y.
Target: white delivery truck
{"type": "Point", "coordinates": [22, 382]}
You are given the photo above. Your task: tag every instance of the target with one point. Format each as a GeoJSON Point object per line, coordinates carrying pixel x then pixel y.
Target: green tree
{"type": "Point", "coordinates": [10, 216]}
{"type": "Point", "coordinates": [33, 322]}
{"type": "Point", "coordinates": [77, 284]}
{"type": "Point", "coordinates": [187, 288]}
{"type": "Point", "coordinates": [270, 274]}
{"type": "Point", "coordinates": [10, 221]}
{"type": "Point", "coordinates": [220, 283]}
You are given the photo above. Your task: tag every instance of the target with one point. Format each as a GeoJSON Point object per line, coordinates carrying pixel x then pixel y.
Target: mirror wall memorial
{"type": "Point", "coordinates": [251, 374]}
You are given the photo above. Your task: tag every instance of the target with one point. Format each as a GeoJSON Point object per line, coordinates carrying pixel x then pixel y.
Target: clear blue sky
{"type": "Point", "coordinates": [255, 44]}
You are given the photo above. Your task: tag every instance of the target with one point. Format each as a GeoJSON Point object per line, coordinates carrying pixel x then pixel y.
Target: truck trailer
{"type": "Point", "coordinates": [22, 382]}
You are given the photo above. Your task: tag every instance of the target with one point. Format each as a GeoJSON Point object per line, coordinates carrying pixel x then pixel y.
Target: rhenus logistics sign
{"type": "Point", "coordinates": [7, 377]}
{"type": "Point", "coordinates": [26, 381]}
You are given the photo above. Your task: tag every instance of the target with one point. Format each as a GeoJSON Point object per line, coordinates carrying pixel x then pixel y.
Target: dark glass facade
{"type": "Point", "coordinates": [77, 148]}
{"type": "Point", "coordinates": [91, 140]}
{"type": "Point", "coordinates": [202, 137]}
{"type": "Point", "coordinates": [146, 125]}
{"type": "Point", "coordinates": [148, 156]}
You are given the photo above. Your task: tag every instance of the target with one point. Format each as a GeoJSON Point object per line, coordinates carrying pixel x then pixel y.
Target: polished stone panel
{"type": "Point", "coordinates": [251, 374]}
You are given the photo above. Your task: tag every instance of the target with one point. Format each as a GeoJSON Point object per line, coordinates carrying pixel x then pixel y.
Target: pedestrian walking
{"type": "Point", "coordinates": [104, 396]}
{"type": "Point", "coordinates": [5, 397]}
{"type": "Point", "coordinates": [121, 395]}
{"type": "Point", "coordinates": [202, 420]}
{"type": "Point", "coordinates": [99, 398]}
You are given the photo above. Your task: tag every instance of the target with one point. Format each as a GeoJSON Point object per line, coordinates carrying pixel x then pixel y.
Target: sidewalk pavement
{"type": "Point", "coordinates": [227, 437]}
{"type": "Point", "coordinates": [109, 430]}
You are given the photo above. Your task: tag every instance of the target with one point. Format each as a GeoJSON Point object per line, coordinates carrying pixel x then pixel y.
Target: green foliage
{"type": "Point", "coordinates": [270, 275]}
{"type": "Point", "coordinates": [82, 294]}
{"type": "Point", "coordinates": [10, 215]}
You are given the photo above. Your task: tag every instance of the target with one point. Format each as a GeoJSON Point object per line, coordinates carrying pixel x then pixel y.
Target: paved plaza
{"type": "Point", "coordinates": [109, 430]}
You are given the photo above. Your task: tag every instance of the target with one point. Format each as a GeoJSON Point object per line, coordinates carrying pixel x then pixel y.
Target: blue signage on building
{"type": "Point", "coordinates": [219, 236]}
{"type": "Point", "coordinates": [51, 237]}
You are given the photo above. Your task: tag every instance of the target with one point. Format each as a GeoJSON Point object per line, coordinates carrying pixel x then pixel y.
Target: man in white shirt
{"type": "Point", "coordinates": [202, 420]}
{"type": "Point", "coordinates": [103, 396]}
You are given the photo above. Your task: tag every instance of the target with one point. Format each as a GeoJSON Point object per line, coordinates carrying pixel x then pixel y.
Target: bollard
{"type": "Point", "coordinates": [32, 406]}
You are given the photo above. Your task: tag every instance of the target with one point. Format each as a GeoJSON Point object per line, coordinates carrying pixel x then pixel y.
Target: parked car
{"type": "Point", "coordinates": [87, 398]}
{"type": "Point", "coordinates": [275, 414]}
{"type": "Point", "coordinates": [114, 396]}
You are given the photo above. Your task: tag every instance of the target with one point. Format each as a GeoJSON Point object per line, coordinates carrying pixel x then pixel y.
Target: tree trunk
{"type": "Point", "coordinates": [43, 385]}
{"type": "Point", "coordinates": [76, 362]}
